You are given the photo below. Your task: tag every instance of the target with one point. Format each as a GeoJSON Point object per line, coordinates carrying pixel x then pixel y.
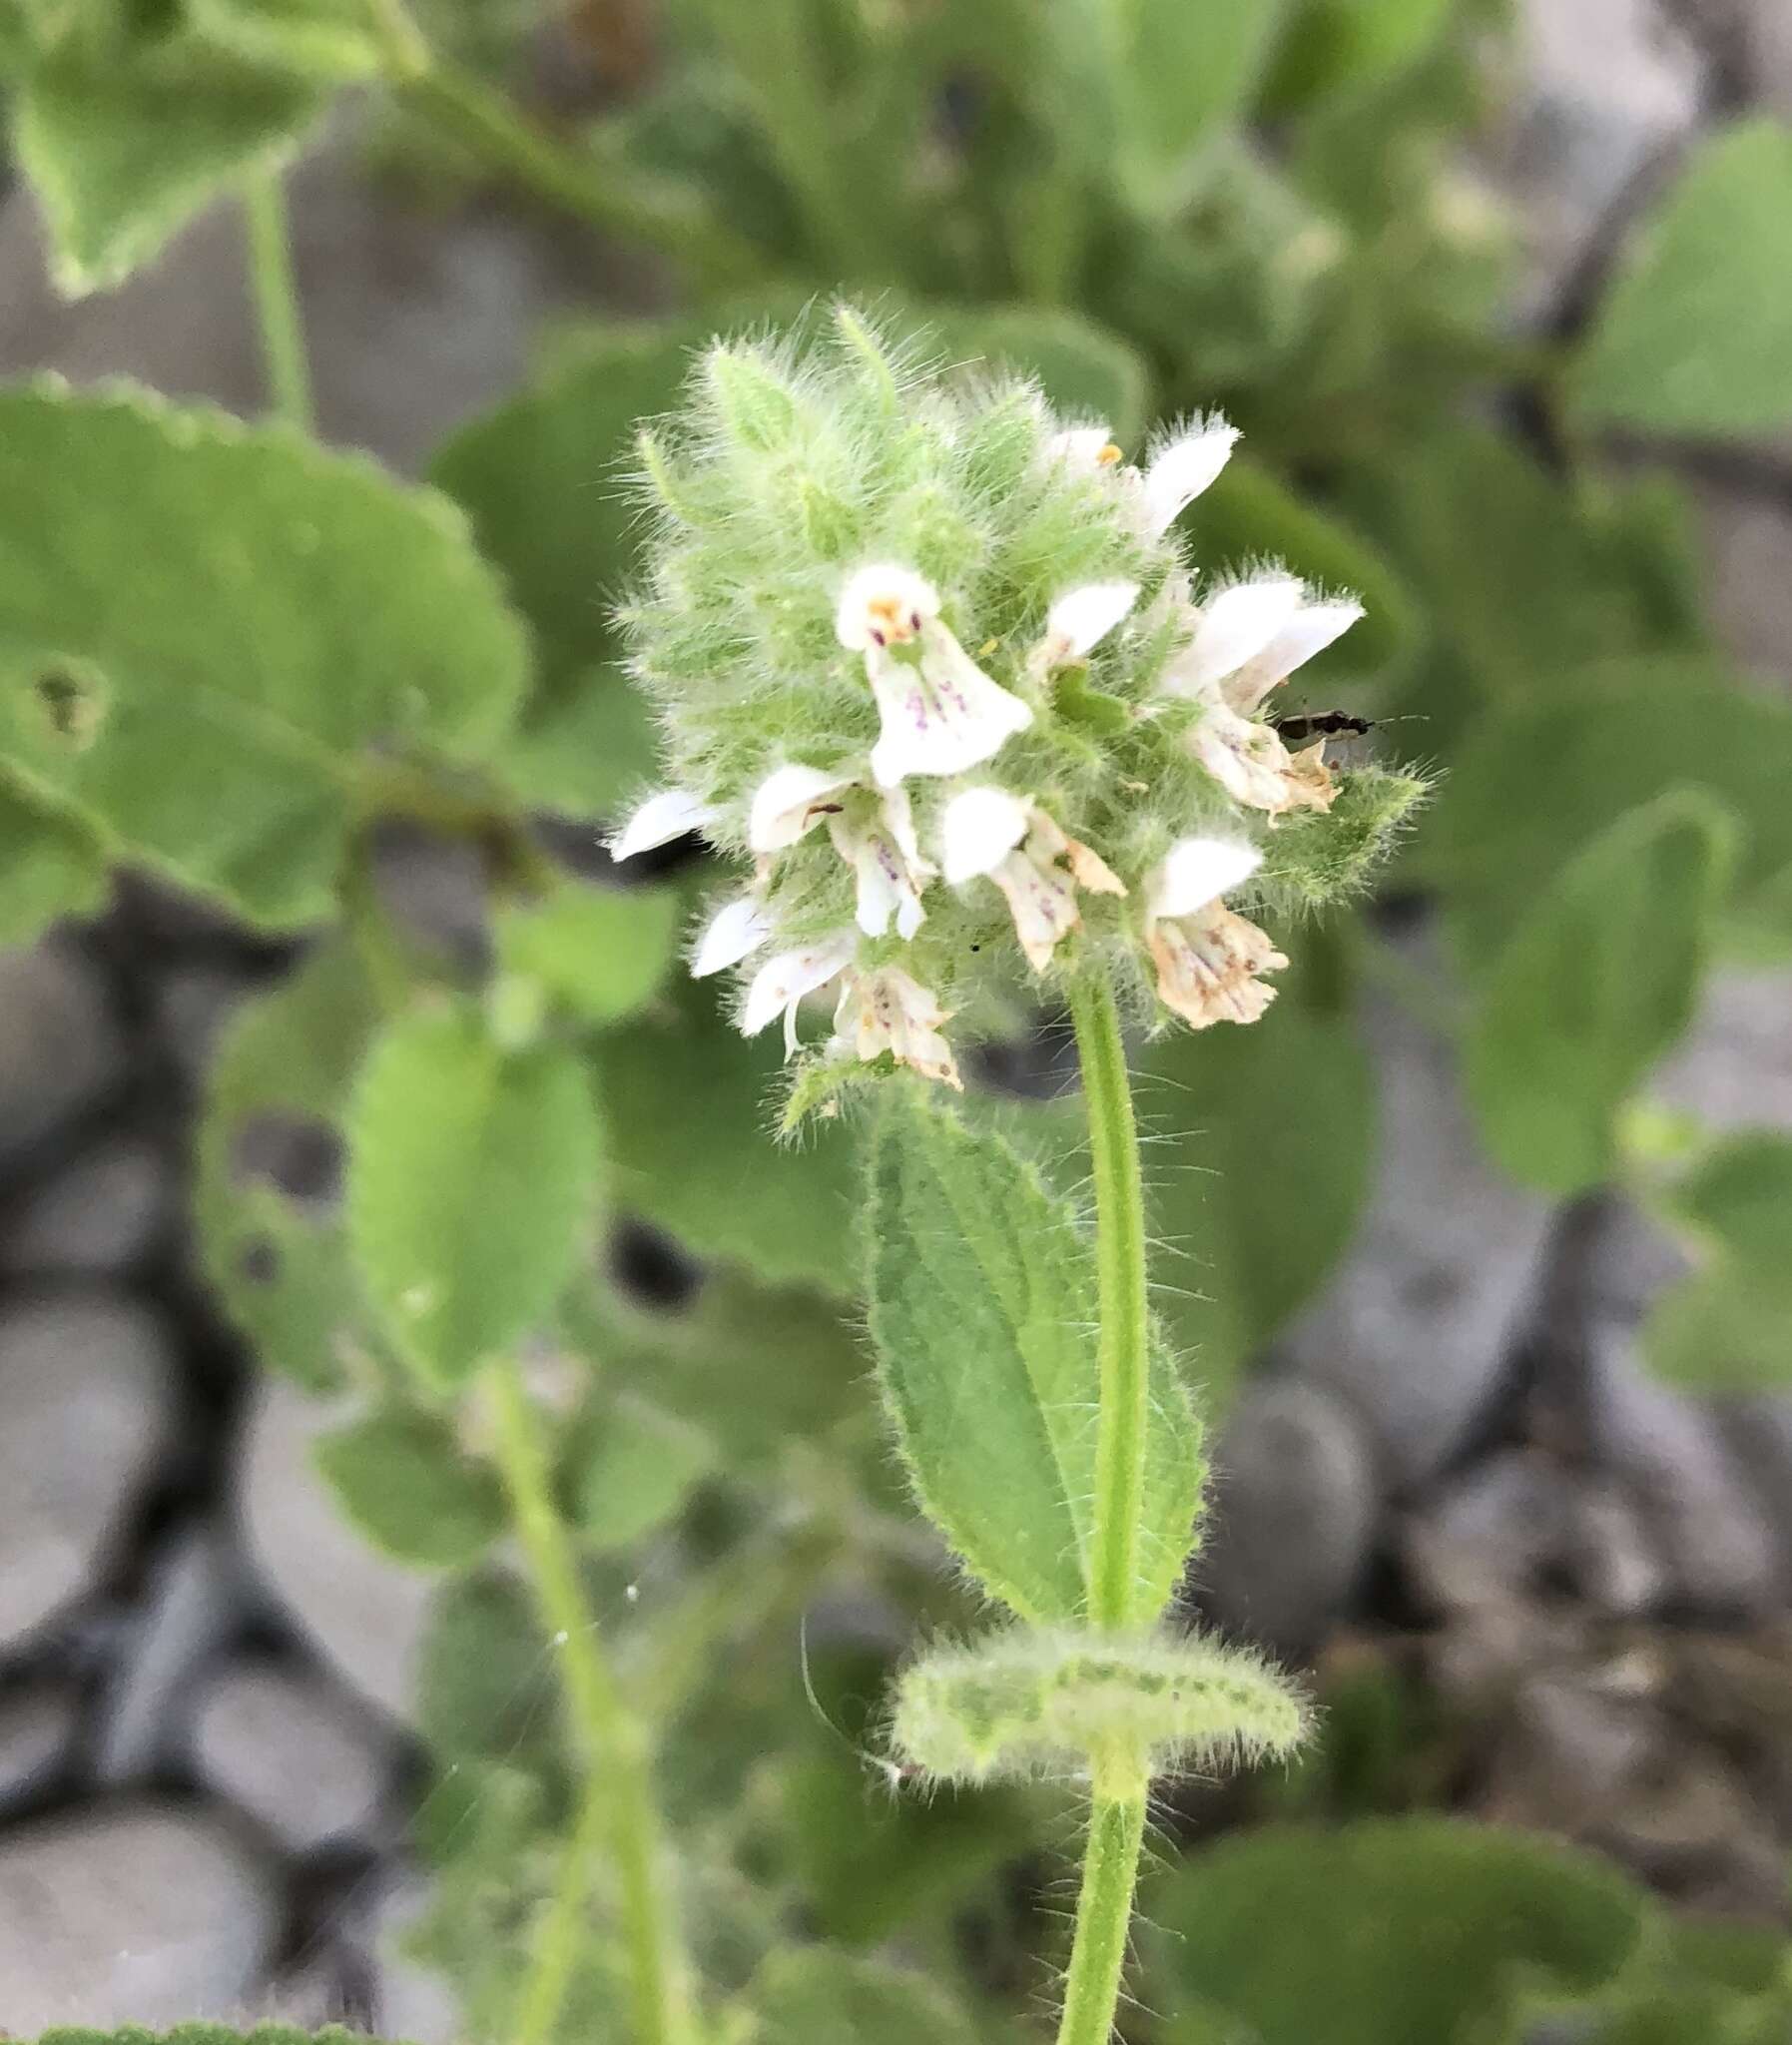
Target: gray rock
{"type": "Point", "coordinates": [98, 1216]}
{"type": "Point", "coordinates": [1489, 1538]}
{"type": "Point", "coordinates": [1733, 1069]}
{"type": "Point", "coordinates": [290, 1752]}
{"type": "Point", "coordinates": [1293, 1518]}
{"type": "Point", "coordinates": [434, 890]}
{"type": "Point", "coordinates": [137, 1912]}
{"type": "Point", "coordinates": [60, 1047]}
{"type": "Point", "coordinates": [1716, 1546]}
{"type": "Point", "coordinates": [410, 2000]}
{"type": "Point", "coordinates": [195, 1596]}
{"type": "Point", "coordinates": [1748, 560]}
{"type": "Point", "coordinates": [1414, 1330]}
{"type": "Point", "coordinates": [37, 1725]}
{"type": "Point", "coordinates": [1574, 1745]}
{"type": "Point", "coordinates": [1608, 1555]}
{"type": "Point", "coordinates": [365, 1613]}
{"type": "Point", "coordinates": [1757, 1431]}
{"type": "Point", "coordinates": [1626, 1261]}
{"type": "Point", "coordinates": [194, 1006]}
{"type": "Point", "coordinates": [85, 1393]}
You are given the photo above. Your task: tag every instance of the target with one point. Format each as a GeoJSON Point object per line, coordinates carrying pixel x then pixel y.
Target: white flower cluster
{"type": "Point", "coordinates": [942, 723]}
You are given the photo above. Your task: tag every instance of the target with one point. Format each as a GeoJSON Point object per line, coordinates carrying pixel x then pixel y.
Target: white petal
{"type": "Point", "coordinates": [899, 814]}
{"type": "Point", "coordinates": [1309, 632]}
{"type": "Point", "coordinates": [736, 928]}
{"type": "Point", "coordinates": [1043, 901]}
{"type": "Point", "coordinates": [1195, 870]}
{"type": "Point", "coordinates": [1235, 626]}
{"type": "Point", "coordinates": [784, 805]}
{"type": "Point", "coordinates": [1086, 450]}
{"type": "Point", "coordinates": [658, 821]}
{"type": "Point", "coordinates": [882, 604]}
{"type": "Point", "coordinates": [1082, 618]}
{"type": "Point", "coordinates": [1179, 472]}
{"type": "Point", "coordinates": [978, 830]}
{"type": "Point", "coordinates": [941, 714]}
{"type": "Point", "coordinates": [782, 982]}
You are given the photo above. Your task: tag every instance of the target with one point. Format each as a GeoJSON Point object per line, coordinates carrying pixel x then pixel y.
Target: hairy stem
{"type": "Point", "coordinates": [464, 108]}
{"type": "Point", "coordinates": [612, 1746]}
{"type": "Point", "coordinates": [275, 292]}
{"type": "Point", "coordinates": [1110, 1872]}
{"type": "Point", "coordinates": [1118, 1805]}
{"type": "Point", "coordinates": [1125, 1343]}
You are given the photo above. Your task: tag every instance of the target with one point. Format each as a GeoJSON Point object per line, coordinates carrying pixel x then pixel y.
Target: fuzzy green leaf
{"type": "Point", "coordinates": [635, 1469]}
{"type": "Point", "coordinates": [810, 1996]}
{"type": "Point", "coordinates": [207, 631]}
{"type": "Point", "coordinates": [687, 1100]}
{"type": "Point", "coordinates": [50, 866]}
{"type": "Point", "coordinates": [604, 951]}
{"type": "Point", "coordinates": [1536, 779]}
{"type": "Point", "coordinates": [473, 1187]}
{"type": "Point", "coordinates": [1597, 982]}
{"type": "Point", "coordinates": [125, 143]}
{"type": "Point", "coordinates": [984, 1316]}
{"type": "Point", "coordinates": [1411, 1931]}
{"type": "Point", "coordinates": [266, 1195]}
{"type": "Point", "coordinates": [1262, 1141]}
{"type": "Point", "coordinates": [1696, 335]}
{"type": "Point", "coordinates": [402, 1477]}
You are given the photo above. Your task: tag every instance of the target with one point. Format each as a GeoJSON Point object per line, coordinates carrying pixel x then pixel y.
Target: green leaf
{"type": "Point", "coordinates": [810, 1996]}
{"type": "Point", "coordinates": [604, 951]}
{"type": "Point", "coordinates": [51, 866]}
{"type": "Point", "coordinates": [209, 633]}
{"type": "Point", "coordinates": [1537, 778]}
{"type": "Point", "coordinates": [1351, 46]}
{"type": "Point", "coordinates": [485, 1688]}
{"type": "Point", "coordinates": [402, 1477]}
{"type": "Point", "coordinates": [267, 1161]}
{"type": "Point", "coordinates": [1736, 1203]}
{"type": "Point", "coordinates": [635, 1468]}
{"type": "Point", "coordinates": [473, 1187]}
{"type": "Point", "coordinates": [1250, 513]}
{"type": "Point", "coordinates": [1084, 370]}
{"type": "Point", "coordinates": [125, 143]}
{"type": "Point", "coordinates": [1696, 333]}
{"type": "Point", "coordinates": [1597, 982]}
{"type": "Point", "coordinates": [1182, 74]}
{"type": "Point", "coordinates": [687, 1101]}
{"type": "Point", "coordinates": [984, 1317]}
{"type": "Point", "coordinates": [1262, 1141]}
{"type": "Point", "coordinates": [322, 39]}
{"type": "Point", "coordinates": [1409, 1930]}
{"type": "Point", "coordinates": [584, 746]}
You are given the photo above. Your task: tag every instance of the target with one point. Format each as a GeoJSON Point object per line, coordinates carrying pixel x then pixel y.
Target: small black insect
{"type": "Point", "coordinates": [1324, 724]}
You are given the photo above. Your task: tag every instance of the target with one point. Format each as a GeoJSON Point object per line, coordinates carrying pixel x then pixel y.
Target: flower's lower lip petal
{"type": "Point", "coordinates": [736, 931]}
{"type": "Point", "coordinates": [672, 814]}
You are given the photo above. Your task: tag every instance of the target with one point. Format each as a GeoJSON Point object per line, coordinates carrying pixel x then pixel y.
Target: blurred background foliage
{"type": "Point", "coordinates": [1269, 207]}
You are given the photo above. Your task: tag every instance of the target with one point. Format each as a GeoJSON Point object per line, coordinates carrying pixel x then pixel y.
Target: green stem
{"type": "Point", "coordinates": [1110, 1871]}
{"type": "Point", "coordinates": [1125, 1345]}
{"type": "Point", "coordinates": [277, 298]}
{"type": "Point", "coordinates": [611, 1744]}
{"type": "Point", "coordinates": [460, 104]}
{"type": "Point", "coordinates": [556, 1949]}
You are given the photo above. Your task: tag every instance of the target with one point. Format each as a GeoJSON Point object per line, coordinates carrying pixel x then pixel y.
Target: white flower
{"type": "Point", "coordinates": [1082, 617]}
{"type": "Point", "coordinates": [885, 854]}
{"type": "Point", "coordinates": [789, 802]}
{"type": "Point", "coordinates": [886, 1010]}
{"type": "Point", "coordinates": [1253, 635]}
{"type": "Point", "coordinates": [1310, 631]}
{"type": "Point", "coordinates": [782, 982]}
{"type": "Point", "coordinates": [737, 929]}
{"type": "Point", "coordinates": [940, 712]}
{"type": "Point", "coordinates": [1182, 468]}
{"type": "Point", "coordinates": [1207, 957]}
{"type": "Point", "coordinates": [1252, 765]}
{"type": "Point", "coordinates": [1171, 481]}
{"type": "Point", "coordinates": [986, 832]}
{"type": "Point", "coordinates": [658, 821]}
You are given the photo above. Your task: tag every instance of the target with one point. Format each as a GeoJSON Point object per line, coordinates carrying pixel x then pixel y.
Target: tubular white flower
{"type": "Point", "coordinates": [1181, 470]}
{"type": "Point", "coordinates": [789, 802]}
{"type": "Point", "coordinates": [736, 931]}
{"type": "Point", "coordinates": [673, 812]}
{"type": "Point", "coordinates": [1207, 957]}
{"type": "Point", "coordinates": [1085, 451]}
{"type": "Point", "coordinates": [1082, 617]}
{"type": "Point", "coordinates": [782, 982]}
{"type": "Point", "coordinates": [941, 713]}
{"type": "Point", "coordinates": [885, 853]}
{"type": "Point", "coordinates": [1252, 765]}
{"type": "Point", "coordinates": [886, 1010]}
{"type": "Point", "coordinates": [1310, 631]}
{"type": "Point", "coordinates": [1233, 627]}
{"type": "Point", "coordinates": [988, 833]}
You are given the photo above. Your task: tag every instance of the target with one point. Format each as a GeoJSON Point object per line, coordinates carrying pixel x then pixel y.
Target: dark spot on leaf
{"type": "Point", "coordinates": [652, 1267]}
{"type": "Point", "coordinates": [69, 699]}
{"type": "Point", "coordinates": [259, 1263]}
{"type": "Point", "coordinates": [299, 1156]}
